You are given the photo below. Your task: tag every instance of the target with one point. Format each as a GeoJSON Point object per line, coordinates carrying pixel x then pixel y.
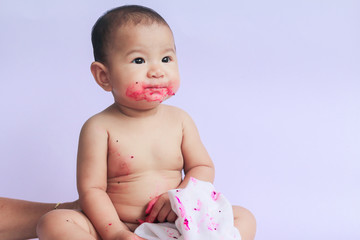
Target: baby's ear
{"type": "Point", "coordinates": [100, 73]}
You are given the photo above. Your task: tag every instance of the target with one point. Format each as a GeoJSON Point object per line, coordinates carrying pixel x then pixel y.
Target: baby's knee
{"type": "Point", "coordinates": [243, 213]}
{"type": "Point", "coordinates": [52, 222]}
{"type": "Point", "coordinates": [245, 221]}
{"type": "Point", "coordinates": [50, 219]}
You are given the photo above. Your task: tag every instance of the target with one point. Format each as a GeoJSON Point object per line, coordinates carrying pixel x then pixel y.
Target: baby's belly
{"type": "Point", "coordinates": [131, 194]}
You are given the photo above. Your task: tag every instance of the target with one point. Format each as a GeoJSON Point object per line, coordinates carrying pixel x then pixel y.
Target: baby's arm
{"type": "Point", "coordinates": [92, 180]}
{"type": "Point", "coordinates": [197, 164]}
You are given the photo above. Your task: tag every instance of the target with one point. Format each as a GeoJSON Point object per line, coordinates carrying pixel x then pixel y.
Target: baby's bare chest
{"type": "Point", "coordinates": [134, 151]}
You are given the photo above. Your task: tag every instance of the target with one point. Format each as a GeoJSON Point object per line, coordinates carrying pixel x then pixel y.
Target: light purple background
{"type": "Point", "coordinates": [272, 85]}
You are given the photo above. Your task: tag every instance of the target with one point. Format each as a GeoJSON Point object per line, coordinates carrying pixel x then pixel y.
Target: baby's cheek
{"type": "Point", "coordinates": [174, 86]}
{"type": "Point", "coordinates": [135, 91]}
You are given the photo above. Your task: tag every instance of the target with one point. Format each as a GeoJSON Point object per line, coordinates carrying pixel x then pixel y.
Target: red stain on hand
{"type": "Point", "coordinates": [140, 221]}
{"type": "Point", "coordinates": [151, 205]}
{"type": "Point", "coordinates": [147, 219]}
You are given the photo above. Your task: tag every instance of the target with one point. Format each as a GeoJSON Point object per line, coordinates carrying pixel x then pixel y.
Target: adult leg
{"type": "Point", "coordinates": [245, 222]}
{"type": "Point", "coordinates": [18, 218]}
{"type": "Point", "coordinates": [66, 224]}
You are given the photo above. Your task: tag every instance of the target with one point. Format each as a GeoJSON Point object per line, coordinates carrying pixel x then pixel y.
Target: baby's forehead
{"type": "Point", "coordinates": [130, 30]}
{"type": "Point", "coordinates": [134, 36]}
{"type": "Point", "coordinates": [145, 23]}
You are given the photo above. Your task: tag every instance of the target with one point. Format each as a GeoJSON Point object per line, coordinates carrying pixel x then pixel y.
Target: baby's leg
{"type": "Point", "coordinates": [245, 222]}
{"type": "Point", "coordinates": [66, 224]}
{"type": "Point", "coordinates": [18, 218]}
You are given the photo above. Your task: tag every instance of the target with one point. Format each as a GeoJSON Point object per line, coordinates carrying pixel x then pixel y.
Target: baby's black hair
{"type": "Point", "coordinates": [106, 25]}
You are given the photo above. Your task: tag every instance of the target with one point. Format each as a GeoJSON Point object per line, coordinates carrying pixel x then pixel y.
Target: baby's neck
{"type": "Point", "coordinates": [135, 113]}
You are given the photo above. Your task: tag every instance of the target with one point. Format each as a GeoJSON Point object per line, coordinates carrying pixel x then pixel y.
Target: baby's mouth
{"type": "Point", "coordinates": [155, 87]}
{"type": "Point", "coordinates": [154, 90]}
{"type": "Point", "coordinates": [150, 92]}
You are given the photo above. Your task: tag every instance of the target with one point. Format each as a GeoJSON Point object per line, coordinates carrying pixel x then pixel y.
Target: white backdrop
{"type": "Point", "coordinates": [272, 85]}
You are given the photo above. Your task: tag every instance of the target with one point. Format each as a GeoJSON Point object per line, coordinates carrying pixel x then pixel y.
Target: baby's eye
{"type": "Point", "coordinates": [138, 60]}
{"type": "Point", "coordinates": [166, 59]}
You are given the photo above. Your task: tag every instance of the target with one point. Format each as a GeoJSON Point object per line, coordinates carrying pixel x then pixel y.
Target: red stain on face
{"type": "Point", "coordinates": [150, 93]}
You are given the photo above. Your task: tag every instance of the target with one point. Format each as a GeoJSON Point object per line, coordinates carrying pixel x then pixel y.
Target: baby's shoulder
{"type": "Point", "coordinates": [175, 111]}
{"type": "Point", "coordinates": [98, 121]}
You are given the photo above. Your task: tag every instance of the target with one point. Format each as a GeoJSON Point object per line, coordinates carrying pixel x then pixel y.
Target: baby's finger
{"type": "Point", "coordinates": [155, 210]}
{"type": "Point", "coordinates": [171, 216]}
{"type": "Point", "coordinates": [139, 238]}
{"type": "Point", "coordinates": [164, 212]}
{"type": "Point", "coordinates": [151, 205]}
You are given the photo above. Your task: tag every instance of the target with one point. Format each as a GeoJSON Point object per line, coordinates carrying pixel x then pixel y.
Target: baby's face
{"type": "Point", "coordinates": [142, 65]}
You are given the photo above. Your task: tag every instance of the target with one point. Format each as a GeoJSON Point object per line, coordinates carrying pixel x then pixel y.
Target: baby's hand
{"type": "Point", "coordinates": [160, 209]}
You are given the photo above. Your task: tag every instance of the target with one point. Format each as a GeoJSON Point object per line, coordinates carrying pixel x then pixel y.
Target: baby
{"type": "Point", "coordinates": [134, 151]}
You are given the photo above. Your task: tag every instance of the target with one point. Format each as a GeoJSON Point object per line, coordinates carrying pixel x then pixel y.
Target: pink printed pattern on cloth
{"type": "Point", "coordinates": [203, 213]}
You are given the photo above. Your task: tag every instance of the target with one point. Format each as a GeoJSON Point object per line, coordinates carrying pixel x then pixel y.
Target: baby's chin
{"type": "Point", "coordinates": [149, 103]}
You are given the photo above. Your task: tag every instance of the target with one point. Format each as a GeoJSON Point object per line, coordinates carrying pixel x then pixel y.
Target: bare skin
{"type": "Point", "coordinates": [18, 218]}
{"type": "Point", "coordinates": [130, 154]}
{"type": "Point", "coordinates": [134, 151]}
{"type": "Point", "coordinates": [138, 173]}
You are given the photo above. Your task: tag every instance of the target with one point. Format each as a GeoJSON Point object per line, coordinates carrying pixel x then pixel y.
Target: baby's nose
{"type": "Point", "coordinates": [155, 72]}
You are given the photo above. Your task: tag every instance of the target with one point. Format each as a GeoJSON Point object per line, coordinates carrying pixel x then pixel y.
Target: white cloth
{"type": "Point", "coordinates": [203, 213]}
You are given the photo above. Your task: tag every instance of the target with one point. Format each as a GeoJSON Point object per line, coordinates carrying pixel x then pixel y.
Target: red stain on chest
{"type": "Point", "coordinates": [125, 168]}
